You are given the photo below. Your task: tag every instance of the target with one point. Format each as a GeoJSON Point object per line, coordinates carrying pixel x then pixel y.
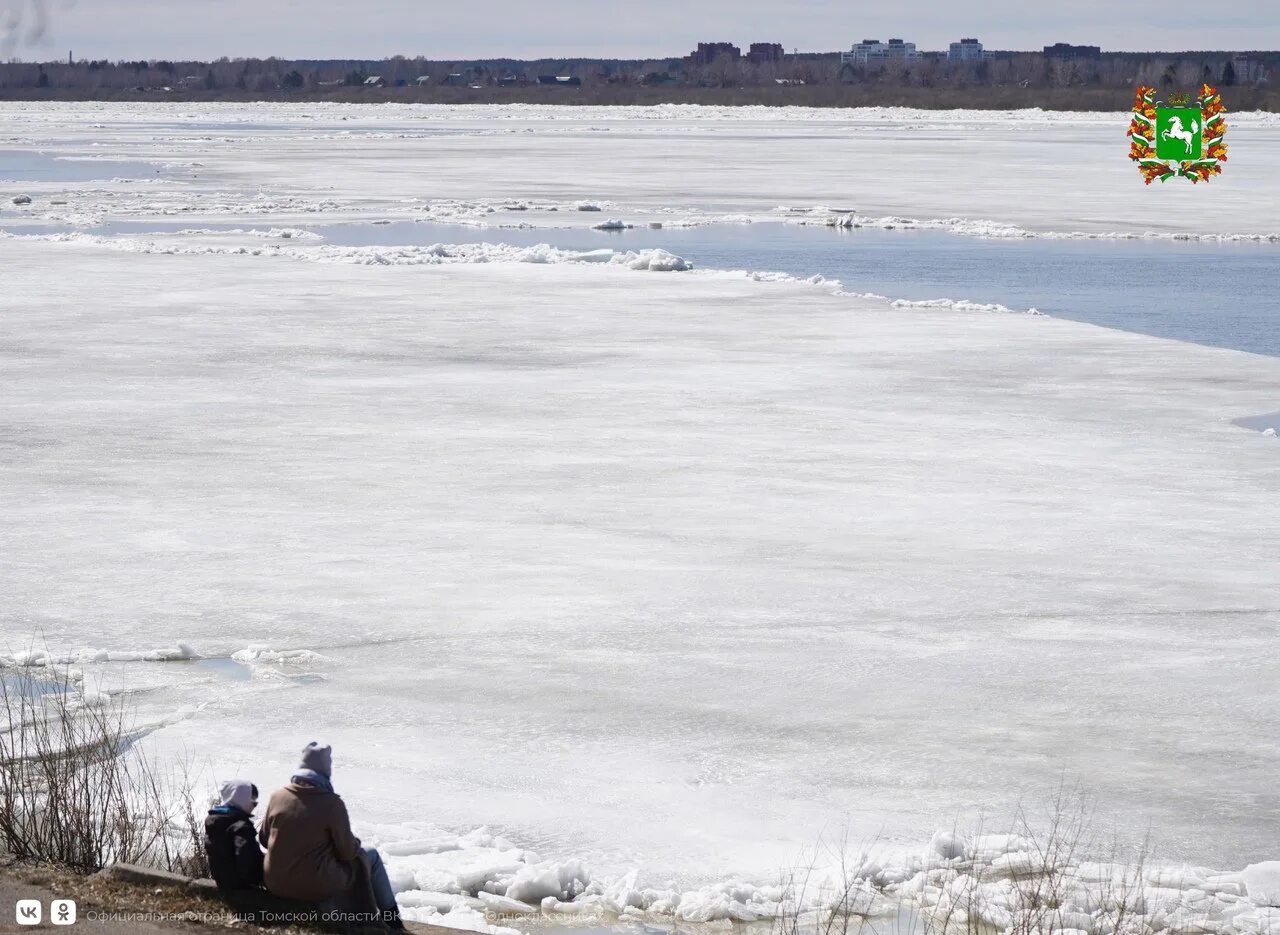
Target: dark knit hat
{"type": "Point", "coordinates": [319, 757]}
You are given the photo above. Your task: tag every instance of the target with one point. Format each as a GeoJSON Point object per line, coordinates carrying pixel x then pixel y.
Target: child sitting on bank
{"type": "Point", "coordinates": [230, 840]}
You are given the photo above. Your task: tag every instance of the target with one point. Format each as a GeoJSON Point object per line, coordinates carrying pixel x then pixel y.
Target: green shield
{"type": "Point", "coordinates": [1178, 133]}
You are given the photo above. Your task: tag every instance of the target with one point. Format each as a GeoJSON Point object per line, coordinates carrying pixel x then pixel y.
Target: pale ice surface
{"type": "Point", "coordinates": [664, 569]}
{"type": "Point", "coordinates": [669, 571]}
{"type": "Point", "coordinates": [988, 172]}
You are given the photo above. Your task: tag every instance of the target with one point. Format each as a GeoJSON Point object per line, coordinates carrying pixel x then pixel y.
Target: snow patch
{"type": "Point", "coordinates": [978, 227]}
{"type": "Point", "coordinates": [656, 260]}
{"type": "Point", "coordinates": [1262, 882]}
{"type": "Point", "coordinates": [479, 877]}
{"type": "Point", "coordinates": [958, 305]}
{"type": "Point", "coordinates": [274, 233]}
{"type": "Point", "coordinates": [262, 655]}
{"type": "Point", "coordinates": [264, 662]}
{"type": "Point", "coordinates": [40, 658]}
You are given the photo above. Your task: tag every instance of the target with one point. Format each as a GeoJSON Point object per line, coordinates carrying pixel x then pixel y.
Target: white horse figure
{"type": "Point", "coordinates": [1176, 131]}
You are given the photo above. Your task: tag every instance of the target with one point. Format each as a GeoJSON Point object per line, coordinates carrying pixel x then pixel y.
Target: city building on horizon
{"type": "Point", "coordinates": [1066, 50]}
{"type": "Point", "coordinates": [967, 50]}
{"type": "Point", "coordinates": [765, 52]}
{"type": "Point", "coordinates": [760, 53]}
{"type": "Point", "coordinates": [872, 51]}
{"type": "Point", "coordinates": [708, 52]}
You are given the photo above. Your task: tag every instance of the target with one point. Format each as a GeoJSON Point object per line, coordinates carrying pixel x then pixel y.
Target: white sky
{"type": "Point", "coordinates": [205, 29]}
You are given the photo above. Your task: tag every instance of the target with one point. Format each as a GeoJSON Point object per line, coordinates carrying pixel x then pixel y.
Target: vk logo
{"type": "Point", "coordinates": [27, 911]}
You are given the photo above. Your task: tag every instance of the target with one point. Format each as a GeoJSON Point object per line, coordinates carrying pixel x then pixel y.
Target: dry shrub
{"type": "Point", "coordinates": [78, 788]}
{"type": "Point", "coordinates": [1037, 890]}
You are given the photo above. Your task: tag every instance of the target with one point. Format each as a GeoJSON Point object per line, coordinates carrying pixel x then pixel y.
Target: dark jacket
{"type": "Point", "coordinates": [311, 853]}
{"type": "Point", "coordinates": [235, 860]}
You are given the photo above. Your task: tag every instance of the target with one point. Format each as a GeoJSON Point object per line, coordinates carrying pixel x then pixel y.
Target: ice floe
{"type": "Point", "coordinates": [978, 227]}
{"type": "Point", "coordinates": [32, 658]}
{"type": "Point", "coordinates": [996, 880]}
{"type": "Point", "coordinates": [238, 170]}
{"type": "Point", "coordinates": [654, 260]}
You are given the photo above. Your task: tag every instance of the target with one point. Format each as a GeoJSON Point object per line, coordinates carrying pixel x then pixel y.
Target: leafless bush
{"type": "Point", "coordinates": [78, 789]}
{"type": "Point", "coordinates": [1064, 875]}
{"type": "Point", "coordinates": [839, 900]}
{"type": "Point", "coordinates": [1042, 888]}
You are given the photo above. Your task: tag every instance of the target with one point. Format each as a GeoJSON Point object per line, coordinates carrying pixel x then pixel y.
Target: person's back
{"type": "Point", "coordinates": [230, 840]}
{"type": "Point", "coordinates": [311, 853]}
{"type": "Point", "coordinates": [310, 847]}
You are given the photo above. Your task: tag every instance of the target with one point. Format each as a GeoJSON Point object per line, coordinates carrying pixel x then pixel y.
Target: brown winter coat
{"type": "Point", "coordinates": [311, 853]}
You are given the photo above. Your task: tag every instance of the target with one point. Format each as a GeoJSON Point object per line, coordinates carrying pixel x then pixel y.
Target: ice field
{"type": "Point", "coordinates": [991, 172]}
{"type": "Point", "coordinates": [660, 570]}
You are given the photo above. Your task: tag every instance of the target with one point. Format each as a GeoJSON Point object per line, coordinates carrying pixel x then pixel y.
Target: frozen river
{"type": "Point", "coordinates": [669, 571]}
{"type": "Point", "coordinates": [1125, 285]}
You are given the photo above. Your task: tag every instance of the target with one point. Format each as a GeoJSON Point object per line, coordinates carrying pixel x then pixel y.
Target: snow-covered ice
{"type": "Point", "coordinates": [1262, 882]}
{"type": "Point", "coordinates": [1001, 173]}
{"type": "Point", "coordinates": [630, 567]}
{"type": "Point", "coordinates": [704, 548]}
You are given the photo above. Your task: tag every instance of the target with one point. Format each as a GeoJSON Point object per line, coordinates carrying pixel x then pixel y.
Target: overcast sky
{"type": "Point", "coordinates": [446, 29]}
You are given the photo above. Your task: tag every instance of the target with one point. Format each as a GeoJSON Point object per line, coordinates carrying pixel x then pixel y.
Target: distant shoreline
{"type": "Point", "coordinates": [1107, 100]}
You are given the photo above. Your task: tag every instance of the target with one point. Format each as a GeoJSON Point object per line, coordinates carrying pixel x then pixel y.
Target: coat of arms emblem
{"type": "Point", "coordinates": [1180, 138]}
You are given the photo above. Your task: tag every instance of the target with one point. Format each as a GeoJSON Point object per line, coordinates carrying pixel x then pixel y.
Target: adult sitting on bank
{"type": "Point", "coordinates": [312, 855]}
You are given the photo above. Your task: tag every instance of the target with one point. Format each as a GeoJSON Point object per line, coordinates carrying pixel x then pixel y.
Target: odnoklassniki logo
{"type": "Point", "coordinates": [1178, 139]}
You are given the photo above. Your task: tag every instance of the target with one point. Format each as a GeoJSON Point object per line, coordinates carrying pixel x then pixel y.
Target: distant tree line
{"type": "Point", "coordinates": [1003, 80]}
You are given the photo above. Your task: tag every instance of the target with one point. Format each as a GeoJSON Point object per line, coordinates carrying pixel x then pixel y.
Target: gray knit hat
{"type": "Point", "coordinates": [318, 756]}
{"type": "Point", "coordinates": [240, 793]}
